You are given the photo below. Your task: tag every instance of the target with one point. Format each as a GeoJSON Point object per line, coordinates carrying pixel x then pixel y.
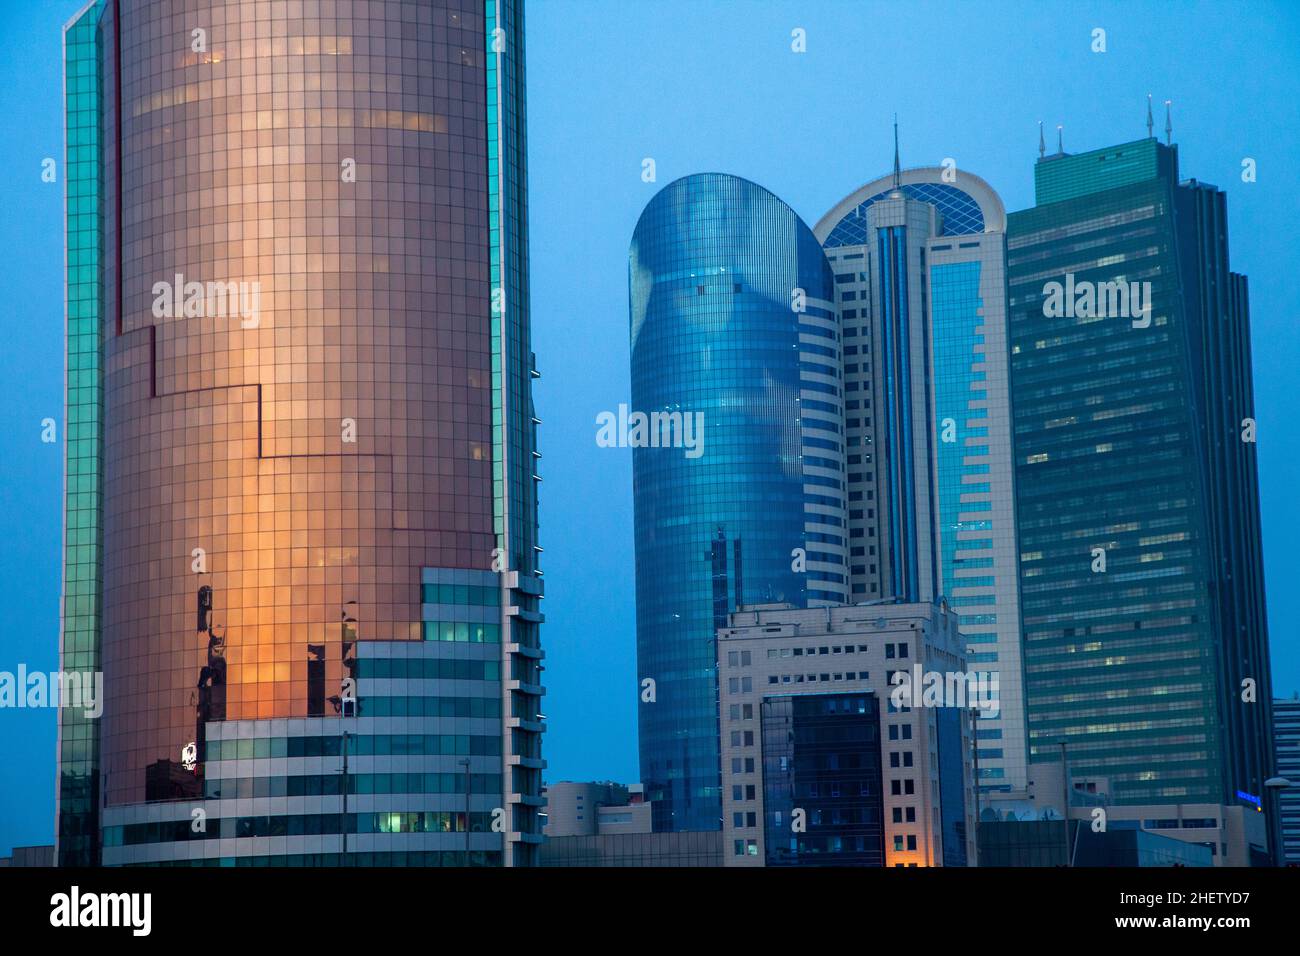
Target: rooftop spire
{"type": "Point", "coordinates": [896, 169]}
{"type": "Point", "coordinates": [1169, 123]}
{"type": "Point", "coordinates": [1060, 140]}
{"type": "Point", "coordinates": [1042, 146]}
{"type": "Point", "coordinates": [1151, 124]}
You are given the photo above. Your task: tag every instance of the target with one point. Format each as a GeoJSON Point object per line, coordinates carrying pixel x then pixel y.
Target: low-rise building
{"type": "Point", "coordinates": [29, 856]}
{"type": "Point", "coordinates": [609, 824]}
{"type": "Point", "coordinates": [1207, 834]}
{"type": "Point", "coordinates": [845, 736]}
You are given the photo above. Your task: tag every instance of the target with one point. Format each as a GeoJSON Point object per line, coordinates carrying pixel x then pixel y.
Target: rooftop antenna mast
{"type": "Point", "coordinates": [1042, 146]}
{"type": "Point", "coordinates": [1151, 124]}
{"type": "Point", "coordinates": [1060, 140]}
{"type": "Point", "coordinates": [1169, 123]}
{"type": "Point", "coordinates": [896, 169]}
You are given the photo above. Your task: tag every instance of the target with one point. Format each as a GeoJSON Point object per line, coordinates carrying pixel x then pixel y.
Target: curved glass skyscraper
{"type": "Point", "coordinates": [303, 446]}
{"type": "Point", "coordinates": [733, 332]}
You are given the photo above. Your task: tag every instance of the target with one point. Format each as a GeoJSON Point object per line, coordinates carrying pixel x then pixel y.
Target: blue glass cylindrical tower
{"type": "Point", "coordinates": [733, 326]}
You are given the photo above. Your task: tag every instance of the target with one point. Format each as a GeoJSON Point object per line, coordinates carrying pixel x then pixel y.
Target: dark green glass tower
{"type": "Point", "coordinates": [1140, 559]}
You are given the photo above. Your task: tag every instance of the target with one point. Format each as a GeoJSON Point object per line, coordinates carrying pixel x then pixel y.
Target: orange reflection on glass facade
{"type": "Point", "coordinates": [306, 438]}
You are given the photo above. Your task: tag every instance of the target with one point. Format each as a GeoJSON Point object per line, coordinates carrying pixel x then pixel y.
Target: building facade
{"type": "Point", "coordinates": [1146, 643]}
{"type": "Point", "coordinates": [301, 505]}
{"type": "Point", "coordinates": [1286, 742]}
{"type": "Point", "coordinates": [78, 792]}
{"type": "Point", "coordinates": [733, 327]}
{"type": "Point", "coordinates": [821, 766]}
{"type": "Point", "coordinates": [920, 281]}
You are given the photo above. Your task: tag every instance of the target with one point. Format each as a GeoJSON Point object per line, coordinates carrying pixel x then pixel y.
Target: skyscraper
{"type": "Point", "coordinates": [905, 389]}
{"type": "Point", "coordinates": [1142, 597]}
{"type": "Point", "coordinates": [301, 492]}
{"type": "Point", "coordinates": [733, 326]}
{"type": "Point", "coordinates": [920, 279]}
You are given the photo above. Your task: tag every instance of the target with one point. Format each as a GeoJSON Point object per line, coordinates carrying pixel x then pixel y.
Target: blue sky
{"type": "Point", "coordinates": [700, 86]}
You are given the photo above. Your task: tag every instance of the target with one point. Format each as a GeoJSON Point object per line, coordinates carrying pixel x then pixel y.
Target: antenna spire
{"type": "Point", "coordinates": [1169, 123]}
{"type": "Point", "coordinates": [1060, 140]}
{"type": "Point", "coordinates": [1151, 124]}
{"type": "Point", "coordinates": [1042, 146]}
{"type": "Point", "coordinates": [896, 170]}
